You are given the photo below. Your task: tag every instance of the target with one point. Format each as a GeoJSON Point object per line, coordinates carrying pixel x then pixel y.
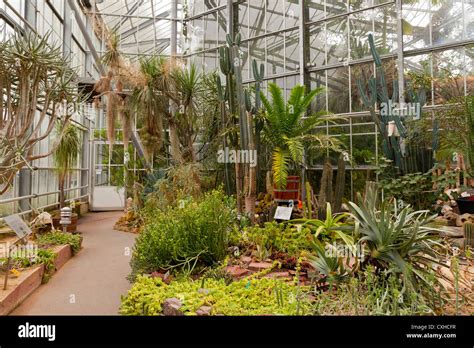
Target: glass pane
{"type": "Point", "coordinates": [338, 90]}
{"type": "Point", "coordinates": [336, 36]}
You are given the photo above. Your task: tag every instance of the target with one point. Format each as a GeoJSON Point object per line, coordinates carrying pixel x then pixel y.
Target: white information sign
{"type": "Point", "coordinates": [18, 225]}
{"type": "Point", "coordinates": [283, 213]}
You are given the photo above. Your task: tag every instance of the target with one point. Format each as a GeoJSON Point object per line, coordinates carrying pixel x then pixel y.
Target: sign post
{"type": "Point", "coordinates": [22, 231]}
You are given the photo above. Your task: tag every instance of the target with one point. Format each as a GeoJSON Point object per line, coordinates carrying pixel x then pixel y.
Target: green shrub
{"type": "Point", "coordinates": [277, 237]}
{"type": "Point", "coordinates": [191, 235]}
{"type": "Point", "coordinates": [243, 297]}
{"type": "Point", "coordinates": [44, 256]}
{"type": "Point", "coordinates": [47, 258]}
{"type": "Point", "coordinates": [60, 238]}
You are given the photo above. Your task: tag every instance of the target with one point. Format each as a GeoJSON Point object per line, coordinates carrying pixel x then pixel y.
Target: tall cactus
{"type": "Point", "coordinates": [325, 191]}
{"type": "Point", "coordinates": [468, 229]}
{"type": "Point", "coordinates": [258, 74]}
{"type": "Point", "coordinates": [378, 93]}
{"type": "Point", "coordinates": [250, 176]}
{"type": "Point", "coordinates": [222, 93]}
{"type": "Point", "coordinates": [340, 184]}
{"type": "Point", "coordinates": [230, 65]}
{"type": "Point", "coordinates": [470, 135]}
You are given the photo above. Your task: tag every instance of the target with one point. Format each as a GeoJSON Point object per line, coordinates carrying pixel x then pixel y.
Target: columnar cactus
{"type": "Point", "coordinates": [468, 229]}
{"type": "Point", "coordinates": [378, 93]}
{"type": "Point", "coordinates": [340, 184]}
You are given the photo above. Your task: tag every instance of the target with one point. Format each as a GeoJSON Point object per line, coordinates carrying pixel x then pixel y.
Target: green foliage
{"type": "Point", "coordinates": [419, 190]}
{"type": "Point", "coordinates": [244, 297]}
{"type": "Point", "coordinates": [376, 93]}
{"type": "Point", "coordinates": [287, 132]}
{"type": "Point", "coordinates": [65, 156]}
{"type": "Point", "coordinates": [332, 267]}
{"type": "Point", "coordinates": [277, 237]}
{"type": "Point", "coordinates": [193, 233]}
{"type": "Point", "coordinates": [180, 182]}
{"type": "Point", "coordinates": [369, 294]}
{"type": "Point", "coordinates": [46, 257]}
{"type": "Point", "coordinates": [330, 229]}
{"type": "Point", "coordinates": [398, 240]}
{"type": "Point", "coordinates": [60, 238]}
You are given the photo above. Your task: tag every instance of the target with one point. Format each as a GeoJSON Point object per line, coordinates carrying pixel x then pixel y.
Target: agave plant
{"type": "Point", "coordinates": [398, 240]}
{"type": "Point", "coordinates": [287, 131]}
{"type": "Point", "coordinates": [332, 267]}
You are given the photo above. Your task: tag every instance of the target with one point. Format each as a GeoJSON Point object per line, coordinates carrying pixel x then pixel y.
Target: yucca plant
{"type": "Point", "coordinates": [398, 240]}
{"type": "Point", "coordinates": [65, 156]}
{"type": "Point", "coordinates": [287, 131]}
{"type": "Point", "coordinates": [149, 102]}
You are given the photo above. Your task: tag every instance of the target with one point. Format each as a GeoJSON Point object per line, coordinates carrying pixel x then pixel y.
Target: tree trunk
{"type": "Point", "coordinates": [251, 174]}
{"type": "Point", "coordinates": [238, 186]}
{"type": "Point", "coordinates": [174, 143]}
{"type": "Point", "coordinates": [62, 198]}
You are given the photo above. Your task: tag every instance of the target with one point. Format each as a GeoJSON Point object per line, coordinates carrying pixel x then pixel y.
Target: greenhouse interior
{"type": "Point", "coordinates": [237, 157]}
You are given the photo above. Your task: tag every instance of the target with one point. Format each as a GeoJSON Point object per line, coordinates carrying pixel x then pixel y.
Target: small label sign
{"type": "Point", "coordinates": [283, 213]}
{"type": "Point", "coordinates": [18, 225]}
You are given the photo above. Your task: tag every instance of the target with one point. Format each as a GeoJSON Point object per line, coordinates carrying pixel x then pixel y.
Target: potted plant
{"type": "Point", "coordinates": [65, 158]}
{"type": "Point", "coordinates": [287, 131]}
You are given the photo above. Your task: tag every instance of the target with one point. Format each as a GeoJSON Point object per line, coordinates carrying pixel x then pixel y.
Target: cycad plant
{"type": "Point", "coordinates": [65, 156]}
{"type": "Point", "coordinates": [287, 131]}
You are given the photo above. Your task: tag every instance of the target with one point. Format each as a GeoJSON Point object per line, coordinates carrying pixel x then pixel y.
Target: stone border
{"type": "Point", "coordinates": [32, 281]}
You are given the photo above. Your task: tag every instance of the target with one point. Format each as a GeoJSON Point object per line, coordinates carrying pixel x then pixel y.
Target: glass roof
{"type": "Point", "coordinates": [144, 26]}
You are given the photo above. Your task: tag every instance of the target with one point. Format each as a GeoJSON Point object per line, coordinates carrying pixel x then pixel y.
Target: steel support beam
{"type": "Point", "coordinates": [142, 26]}
{"type": "Point", "coordinates": [25, 175]}
{"type": "Point", "coordinates": [400, 63]}
{"type": "Point", "coordinates": [174, 29]}
{"type": "Point", "coordinates": [86, 35]}
{"type": "Point", "coordinates": [67, 31]}
{"type": "Point", "coordinates": [303, 53]}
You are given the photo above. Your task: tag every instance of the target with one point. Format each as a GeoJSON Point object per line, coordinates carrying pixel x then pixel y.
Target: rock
{"type": "Point", "coordinates": [278, 275]}
{"type": "Point", "coordinates": [204, 311]}
{"type": "Point", "coordinates": [246, 259]}
{"type": "Point", "coordinates": [171, 307]}
{"type": "Point", "coordinates": [259, 266]}
{"type": "Point", "coordinates": [446, 209]}
{"type": "Point", "coordinates": [451, 217]}
{"type": "Point", "coordinates": [462, 219]}
{"type": "Point", "coordinates": [237, 271]}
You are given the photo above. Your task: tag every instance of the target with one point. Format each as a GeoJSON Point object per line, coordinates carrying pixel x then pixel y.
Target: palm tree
{"type": "Point", "coordinates": [188, 85]}
{"type": "Point", "coordinates": [287, 131]}
{"type": "Point", "coordinates": [65, 156]}
{"type": "Point", "coordinates": [149, 103]}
